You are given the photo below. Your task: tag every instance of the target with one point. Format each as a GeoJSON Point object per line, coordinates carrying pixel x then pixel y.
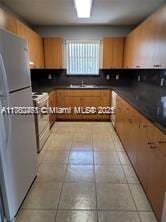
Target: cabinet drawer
{"type": "Point", "coordinates": [106, 93]}
{"type": "Point", "coordinates": [60, 92]}
{"type": "Point", "coordinates": [83, 93]}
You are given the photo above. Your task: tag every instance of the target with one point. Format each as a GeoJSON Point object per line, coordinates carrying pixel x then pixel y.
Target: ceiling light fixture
{"type": "Point", "coordinates": [83, 8]}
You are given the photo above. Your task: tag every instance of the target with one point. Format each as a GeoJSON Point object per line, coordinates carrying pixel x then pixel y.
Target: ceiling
{"type": "Point", "coordinates": [104, 12]}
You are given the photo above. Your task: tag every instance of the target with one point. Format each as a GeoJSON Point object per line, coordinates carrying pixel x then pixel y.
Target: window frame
{"type": "Point", "coordinates": [82, 41]}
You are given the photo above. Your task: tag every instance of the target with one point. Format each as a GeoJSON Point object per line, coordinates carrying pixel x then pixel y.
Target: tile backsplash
{"type": "Point", "coordinates": [116, 77]}
{"type": "Point", "coordinates": [151, 76]}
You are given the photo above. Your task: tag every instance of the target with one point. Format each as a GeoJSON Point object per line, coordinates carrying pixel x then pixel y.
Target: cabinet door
{"type": "Point", "coordinates": [107, 53]}
{"type": "Point", "coordinates": [156, 189]}
{"type": "Point", "coordinates": [53, 50]}
{"type": "Point", "coordinates": [127, 52]}
{"type": "Point", "coordinates": [160, 140]}
{"type": "Point", "coordinates": [35, 46]}
{"type": "Point", "coordinates": [52, 104]}
{"type": "Point", "coordinates": [117, 54]}
{"type": "Point", "coordinates": [106, 98]}
{"type": "Point", "coordinates": [113, 52]}
{"type": "Point", "coordinates": [20, 29]}
{"type": "Point", "coordinates": [31, 43]}
{"type": "Point", "coordinates": [158, 33]}
{"type": "Point", "coordinates": [130, 57]}
{"type": "Point", "coordinates": [91, 102]}
{"type": "Point", "coordinates": [105, 102]}
{"type": "Point", "coordinates": [39, 51]}
{"type": "Point", "coordinates": [118, 115]}
{"type": "Point", "coordinates": [74, 103]}
{"type": "Point", "coordinates": [145, 46]}
{"type": "Point", "coordinates": [60, 99]}
{"type": "Point", "coordinates": [7, 21]}
{"type": "Point", "coordinates": [133, 127]}
{"type": "Point", "coordinates": [145, 139]}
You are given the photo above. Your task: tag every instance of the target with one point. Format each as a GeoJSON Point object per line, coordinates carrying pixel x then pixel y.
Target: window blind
{"type": "Point", "coordinates": [83, 57]}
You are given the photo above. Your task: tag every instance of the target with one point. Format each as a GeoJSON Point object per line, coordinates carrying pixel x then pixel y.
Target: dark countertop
{"type": "Point", "coordinates": [149, 100]}
{"type": "Point", "coordinates": [150, 103]}
{"type": "Point", "coordinates": [50, 88]}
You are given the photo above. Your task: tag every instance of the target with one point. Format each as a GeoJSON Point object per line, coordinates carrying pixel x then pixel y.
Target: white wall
{"type": "Point", "coordinates": [83, 32]}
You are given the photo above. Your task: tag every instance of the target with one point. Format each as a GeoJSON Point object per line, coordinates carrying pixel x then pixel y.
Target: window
{"type": "Point", "coordinates": [82, 57]}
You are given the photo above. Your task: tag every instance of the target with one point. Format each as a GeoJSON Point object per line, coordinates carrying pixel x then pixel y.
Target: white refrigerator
{"type": "Point", "coordinates": [18, 157]}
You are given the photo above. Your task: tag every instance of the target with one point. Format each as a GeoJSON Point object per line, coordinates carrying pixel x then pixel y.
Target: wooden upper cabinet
{"type": "Point", "coordinates": [35, 45]}
{"type": "Point", "coordinates": [145, 47]}
{"type": "Point", "coordinates": [118, 46]}
{"type": "Point", "coordinates": [107, 53]}
{"type": "Point", "coordinates": [158, 21]}
{"type": "Point", "coordinates": [35, 42]}
{"type": "Point", "coordinates": [113, 52]}
{"type": "Point", "coordinates": [53, 53]}
{"type": "Point", "coordinates": [20, 29]}
{"type": "Point", "coordinates": [7, 21]}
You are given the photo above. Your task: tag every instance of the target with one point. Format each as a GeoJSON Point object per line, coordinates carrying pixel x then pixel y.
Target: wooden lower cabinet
{"type": "Point", "coordinates": [143, 151]}
{"type": "Point", "coordinates": [156, 188]}
{"type": "Point", "coordinates": [72, 101]}
{"type": "Point", "coordinates": [52, 103]}
{"type": "Point", "coordinates": [83, 98]}
{"type": "Point", "coordinates": [132, 130]}
{"type": "Point", "coordinates": [127, 127]}
{"type": "Point", "coordinates": [146, 147]}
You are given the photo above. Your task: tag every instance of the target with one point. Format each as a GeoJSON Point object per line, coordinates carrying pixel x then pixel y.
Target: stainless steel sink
{"type": "Point", "coordinates": [82, 86]}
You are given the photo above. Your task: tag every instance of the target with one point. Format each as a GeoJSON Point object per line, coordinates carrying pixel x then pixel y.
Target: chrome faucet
{"type": "Point", "coordinates": [82, 83]}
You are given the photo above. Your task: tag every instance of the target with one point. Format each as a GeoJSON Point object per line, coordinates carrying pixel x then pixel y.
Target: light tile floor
{"type": "Point", "coordinates": [85, 176]}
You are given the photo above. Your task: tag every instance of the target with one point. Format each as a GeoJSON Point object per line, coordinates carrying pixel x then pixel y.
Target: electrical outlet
{"type": "Point", "coordinates": [162, 82]}
{"type": "Point", "coordinates": [139, 78]}
{"type": "Point", "coordinates": [107, 77]}
{"type": "Point", "coordinates": [117, 77]}
{"type": "Point", "coordinates": [50, 76]}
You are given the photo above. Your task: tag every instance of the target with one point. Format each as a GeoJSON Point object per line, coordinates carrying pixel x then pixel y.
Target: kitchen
{"type": "Point", "coordinates": [91, 78]}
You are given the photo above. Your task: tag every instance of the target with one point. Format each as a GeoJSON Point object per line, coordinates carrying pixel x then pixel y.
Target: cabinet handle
{"type": "Point", "coordinates": [162, 142]}
{"type": "Point", "coordinates": [153, 147]}
{"type": "Point", "coordinates": [150, 143]}
{"type": "Point", "coordinates": [157, 65]}
{"type": "Point", "coordinates": [144, 126]}
{"type": "Point", "coordinates": [137, 66]}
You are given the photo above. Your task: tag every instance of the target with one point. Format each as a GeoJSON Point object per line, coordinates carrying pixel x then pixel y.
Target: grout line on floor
{"type": "Point", "coordinates": [60, 195]}
{"type": "Point", "coordinates": [95, 180]}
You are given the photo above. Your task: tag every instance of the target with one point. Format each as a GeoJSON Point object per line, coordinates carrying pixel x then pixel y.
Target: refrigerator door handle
{"type": "Point", "coordinates": [5, 98]}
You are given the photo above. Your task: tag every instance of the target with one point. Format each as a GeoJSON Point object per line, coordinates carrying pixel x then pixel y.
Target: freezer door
{"type": "Point", "coordinates": [14, 53]}
{"type": "Point", "coordinates": [19, 156]}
